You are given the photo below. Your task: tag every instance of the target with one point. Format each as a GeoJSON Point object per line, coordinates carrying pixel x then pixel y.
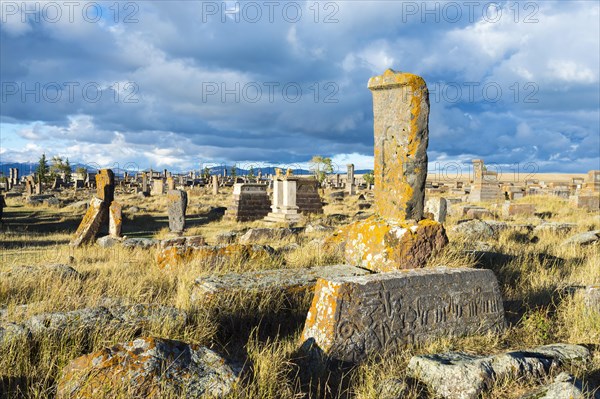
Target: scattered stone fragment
{"type": "Point", "coordinates": [10, 332]}
{"type": "Point", "coordinates": [478, 213]}
{"type": "Point", "coordinates": [564, 386]}
{"type": "Point", "coordinates": [107, 241]}
{"type": "Point", "coordinates": [79, 205]}
{"type": "Point", "coordinates": [382, 246]}
{"type": "Point", "coordinates": [227, 238]}
{"type": "Point", "coordinates": [142, 243]}
{"type": "Point", "coordinates": [210, 255]}
{"type": "Point", "coordinates": [511, 209]}
{"type": "Point", "coordinates": [461, 376]}
{"type": "Point", "coordinates": [115, 219]}
{"type": "Point", "coordinates": [262, 234]}
{"type": "Point", "coordinates": [555, 228]}
{"type": "Point", "coordinates": [314, 228]}
{"type": "Point", "coordinates": [474, 229]}
{"type": "Point", "coordinates": [393, 388]}
{"type": "Point", "coordinates": [149, 367]}
{"type": "Point", "coordinates": [592, 297]}
{"type": "Point", "coordinates": [265, 281]}
{"type": "Point", "coordinates": [354, 317]}
{"type": "Point", "coordinates": [589, 237]}
{"type": "Point", "coordinates": [80, 320]}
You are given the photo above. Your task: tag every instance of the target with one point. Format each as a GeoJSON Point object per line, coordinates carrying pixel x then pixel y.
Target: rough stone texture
{"type": "Point", "coordinates": [437, 207]}
{"type": "Point", "coordinates": [479, 213]}
{"type": "Point", "coordinates": [589, 237]}
{"type": "Point", "coordinates": [149, 367]}
{"type": "Point", "coordinates": [401, 117]}
{"type": "Point", "coordinates": [384, 246]}
{"type": "Point", "coordinates": [392, 388]}
{"type": "Point", "coordinates": [475, 229]}
{"type": "Point", "coordinates": [509, 209]}
{"type": "Point", "coordinates": [107, 241]}
{"type": "Point", "coordinates": [158, 187]}
{"type": "Point", "coordinates": [142, 243]}
{"type": "Point", "coordinates": [485, 183]}
{"type": "Point", "coordinates": [176, 255]}
{"type": "Point", "coordinates": [250, 202]}
{"type": "Point", "coordinates": [115, 219]}
{"type": "Point", "coordinates": [105, 185]}
{"type": "Point", "coordinates": [591, 297]}
{"type": "Point", "coordinates": [261, 234]}
{"type": "Point", "coordinates": [564, 386]}
{"type": "Point", "coordinates": [289, 280]}
{"type": "Point", "coordinates": [79, 320]}
{"type": "Point", "coordinates": [353, 317]}
{"type": "Point", "coordinates": [308, 199]}
{"type": "Point", "coordinates": [461, 376]}
{"type": "Point", "coordinates": [176, 207]}
{"type": "Point", "coordinates": [591, 202]}
{"type": "Point", "coordinates": [95, 215]}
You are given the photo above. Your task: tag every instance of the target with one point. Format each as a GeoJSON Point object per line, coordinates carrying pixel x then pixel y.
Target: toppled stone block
{"type": "Point", "coordinates": [175, 255]}
{"type": "Point", "coordinates": [461, 376]}
{"type": "Point", "coordinates": [384, 246]}
{"type": "Point", "coordinates": [509, 209]}
{"type": "Point", "coordinates": [478, 213]}
{"type": "Point", "coordinates": [353, 317]}
{"type": "Point", "coordinates": [148, 367]}
{"type": "Point", "coordinates": [261, 234]}
{"type": "Point", "coordinates": [589, 237]}
{"type": "Point", "coordinates": [107, 241]}
{"type": "Point", "coordinates": [141, 243]}
{"type": "Point", "coordinates": [91, 222]}
{"type": "Point", "coordinates": [555, 228]}
{"type": "Point", "coordinates": [265, 281]}
{"type": "Point", "coordinates": [474, 229]}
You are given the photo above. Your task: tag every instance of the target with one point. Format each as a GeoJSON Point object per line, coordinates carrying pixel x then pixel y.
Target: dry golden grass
{"type": "Point", "coordinates": [260, 331]}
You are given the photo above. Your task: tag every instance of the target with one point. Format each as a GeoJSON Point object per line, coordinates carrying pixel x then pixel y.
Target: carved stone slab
{"type": "Point", "coordinates": [352, 317]}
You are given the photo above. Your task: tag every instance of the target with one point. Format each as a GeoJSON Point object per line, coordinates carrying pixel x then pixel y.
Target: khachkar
{"type": "Point", "coordinates": [354, 317]}
{"type": "Point", "coordinates": [397, 237]}
{"type": "Point", "coordinates": [103, 209]}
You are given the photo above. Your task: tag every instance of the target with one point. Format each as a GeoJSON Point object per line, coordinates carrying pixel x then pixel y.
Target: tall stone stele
{"type": "Point", "coordinates": [397, 237]}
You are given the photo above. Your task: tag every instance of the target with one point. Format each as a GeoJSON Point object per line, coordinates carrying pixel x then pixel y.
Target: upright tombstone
{"type": "Point", "coordinates": [589, 195]}
{"type": "Point", "coordinates": [308, 199]}
{"type": "Point", "coordinates": [250, 202]}
{"type": "Point", "coordinates": [354, 317]}
{"type": "Point", "coordinates": [397, 237]}
{"type": "Point", "coordinates": [158, 186]}
{"type": "Point", "coordinates": [145, 189]}
{"type": "Point", "coordinates": [350, 186]}
{"type": "Point", "coordinates": [176, 207]}
{"type": "Point", "coordinates": [337, 180]}
{"type": "Point", "coordinates": [170, 183]}
{"type": "Point", "coordinates": [437, 207]}
{"type": "Point", "coordinates": [28, 186]}
{"type": "Point", "coordinates": [283, 207]}
{"type": "Point", "coordinates": [115, 219]}
{"type": "Point", "coordinates": [485, 184]}
{"type": "Point", "coordinates": [215, 184]}
{"type": "Point", "coordinates": [105, 185]}
{"type": "Point", "coordinates": [38, 187]}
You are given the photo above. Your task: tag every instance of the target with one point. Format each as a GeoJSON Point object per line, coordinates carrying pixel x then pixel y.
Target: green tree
{"type": "Point", "coordinates": [320, 166]}
{"type": "Point", "coordinates": [81, 170]}
{"type": "Point", "coordinates": [233, 172]}
{"type": "Point", "coordinates": [206, 173]}
{"type": "Point", "coordinates": [251, 173]}
{"type": "Point", "coordinates": [42, 169]}
{"type": "Point", "coordinates": [369, 178]}
{"type": "Point", "coordinates": [67, 170]}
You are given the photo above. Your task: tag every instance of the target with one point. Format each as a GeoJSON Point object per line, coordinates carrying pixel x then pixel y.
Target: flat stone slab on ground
{"type": "Point", "coordinates": [564, 386]}
{"type": "Point", "coordinates": [270, 280]}
{"type": "Point", "coordinates": [353, 317]}
{"type": "Point", "coordinates": [461, 376]}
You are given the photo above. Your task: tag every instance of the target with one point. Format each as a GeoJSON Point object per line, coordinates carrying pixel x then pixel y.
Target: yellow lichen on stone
{"type": "Point", "coordinates": [322, 315]}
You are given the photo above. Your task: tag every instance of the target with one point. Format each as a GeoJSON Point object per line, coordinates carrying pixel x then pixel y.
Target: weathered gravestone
{"type": "Point", "coordinates": [105, 185]}
{"type": "Point", "coordinates": [157, 187]}
{"type": "Point", "coordinates": [308, 199]}
{"type": "Point", "coordinates": [485, 183]}
{"type": "Point", "coordinates": [352, 317]}
{"type": "Point", "coordinates": [91, 222]}
{"type": "Point", "coordinates": [397, 237]}
{"type": "Point", "coordinates": [115, 219]}
{"type": "Point", "coordinates": [170, 183]}
{"type": "Point", "coordinates": [437, 207]}
{"type": "Point", "coordinates": [176, 207]}
{"type": "Point", "coordinates": [215, 184]}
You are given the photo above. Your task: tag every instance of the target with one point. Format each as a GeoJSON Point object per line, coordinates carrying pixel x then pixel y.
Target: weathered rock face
{"type": "Point", "coordinates": [91, 222]}
{"type": "Point", "coordinates": [308, 199]}
{"type": "Point", "coordinates": [115, 219]}
{"type": "Point", "coordinates": [176, 207]}
{"type": "Point", "coordinates": [141, 243]}
{"type": "Point", "coordinates": [589, 237]}
{"type": "Point", "coordinates": [250, 202]}
{"type": "Point", "coordinates": [510, 209]}
{"type": "Point", "coordinates": [474, 229]}
{"type": "Point", "coordinates": [352, 317]}
{"type": "Point", "coordinates": [401, 117]}
{"type": "Point", "coordinates": [592, 297]}
{"type": "Point", "coordinates": [564, 386]}
{"type": "Point", "coordinates": [268, 281]}
{"type": "Point", "coordinates": [462, 376]}
{"type": "Point", "coordinates": [384, 246]}
{"type": "Point", "coordinates": [105, 185]}
{"type": "Point", "coordinates": [52, 270]}
{"type": "Point", "coordinates": [148, 367]}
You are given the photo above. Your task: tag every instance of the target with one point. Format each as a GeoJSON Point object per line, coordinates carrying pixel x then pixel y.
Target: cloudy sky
{"type": "Point", "coordinates": [181, 84]}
